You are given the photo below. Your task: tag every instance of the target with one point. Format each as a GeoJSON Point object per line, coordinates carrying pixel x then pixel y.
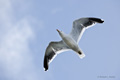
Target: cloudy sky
{"type": "Point", "coordinates": [27, 27]}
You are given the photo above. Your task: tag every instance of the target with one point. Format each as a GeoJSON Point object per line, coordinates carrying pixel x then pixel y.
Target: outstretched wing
{"type": "Point", "coordinates": [80, 25]}
{"type": "Point", "coordinates": [52, 50]}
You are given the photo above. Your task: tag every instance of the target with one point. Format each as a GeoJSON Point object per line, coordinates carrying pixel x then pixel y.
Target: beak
{"type": "Point", "coordinates": [57, 30]}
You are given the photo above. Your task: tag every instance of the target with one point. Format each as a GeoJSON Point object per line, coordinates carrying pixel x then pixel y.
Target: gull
{"type": "Point", "coordinates": [69, 41]}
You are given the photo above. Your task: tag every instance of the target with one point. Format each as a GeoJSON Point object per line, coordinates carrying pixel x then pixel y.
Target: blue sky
{"type": "Point", "coordinates": [26, 28]}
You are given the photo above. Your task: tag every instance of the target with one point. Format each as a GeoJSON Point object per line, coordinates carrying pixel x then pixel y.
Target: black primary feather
{"type": "Point", "coordinates": [98, 20]}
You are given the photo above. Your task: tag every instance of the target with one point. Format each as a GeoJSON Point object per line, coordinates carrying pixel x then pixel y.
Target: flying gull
{"type": "Point", "coordinates": [69, 41]}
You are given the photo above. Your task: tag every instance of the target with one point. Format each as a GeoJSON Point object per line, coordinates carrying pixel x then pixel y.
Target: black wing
{"type": "Point", "coordinates": [52, 50]}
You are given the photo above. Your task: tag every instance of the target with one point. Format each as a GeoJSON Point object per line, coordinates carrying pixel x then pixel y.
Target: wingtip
{"type": "Point", "coordinates": [98, 20]}
{"type": "Point", "coordinates": [45, 63]}
{"type": "Point", "coordinates": [102, 20]}
{"type": "Point", "coordinates": [45, 69]}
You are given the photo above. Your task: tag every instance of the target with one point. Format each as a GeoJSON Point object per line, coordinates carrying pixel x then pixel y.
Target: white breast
{"type": "Point", "coordinates": [70, 42]}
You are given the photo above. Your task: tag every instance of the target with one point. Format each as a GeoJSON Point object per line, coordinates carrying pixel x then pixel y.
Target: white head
{"type": "Point", "coordinates": [60, 33]}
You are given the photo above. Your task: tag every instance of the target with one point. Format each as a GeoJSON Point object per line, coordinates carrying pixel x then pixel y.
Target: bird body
{"type": "Point", "coordinates": [69, 41]}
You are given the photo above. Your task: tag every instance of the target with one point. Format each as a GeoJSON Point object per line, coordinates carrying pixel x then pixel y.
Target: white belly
{"type": "Point", "coordinates": [71, 43]}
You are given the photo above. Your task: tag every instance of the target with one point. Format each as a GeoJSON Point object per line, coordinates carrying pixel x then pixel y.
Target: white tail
{"type": "Point", "coordinates": [81, 55]}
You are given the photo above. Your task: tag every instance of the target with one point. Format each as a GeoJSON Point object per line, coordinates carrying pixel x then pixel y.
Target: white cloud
{"type": "Point", "coordinates": [15, 58]}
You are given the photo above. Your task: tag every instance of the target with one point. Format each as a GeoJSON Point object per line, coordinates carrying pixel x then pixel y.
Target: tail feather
{"type": "Point", "coordinates": [81, 55]}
